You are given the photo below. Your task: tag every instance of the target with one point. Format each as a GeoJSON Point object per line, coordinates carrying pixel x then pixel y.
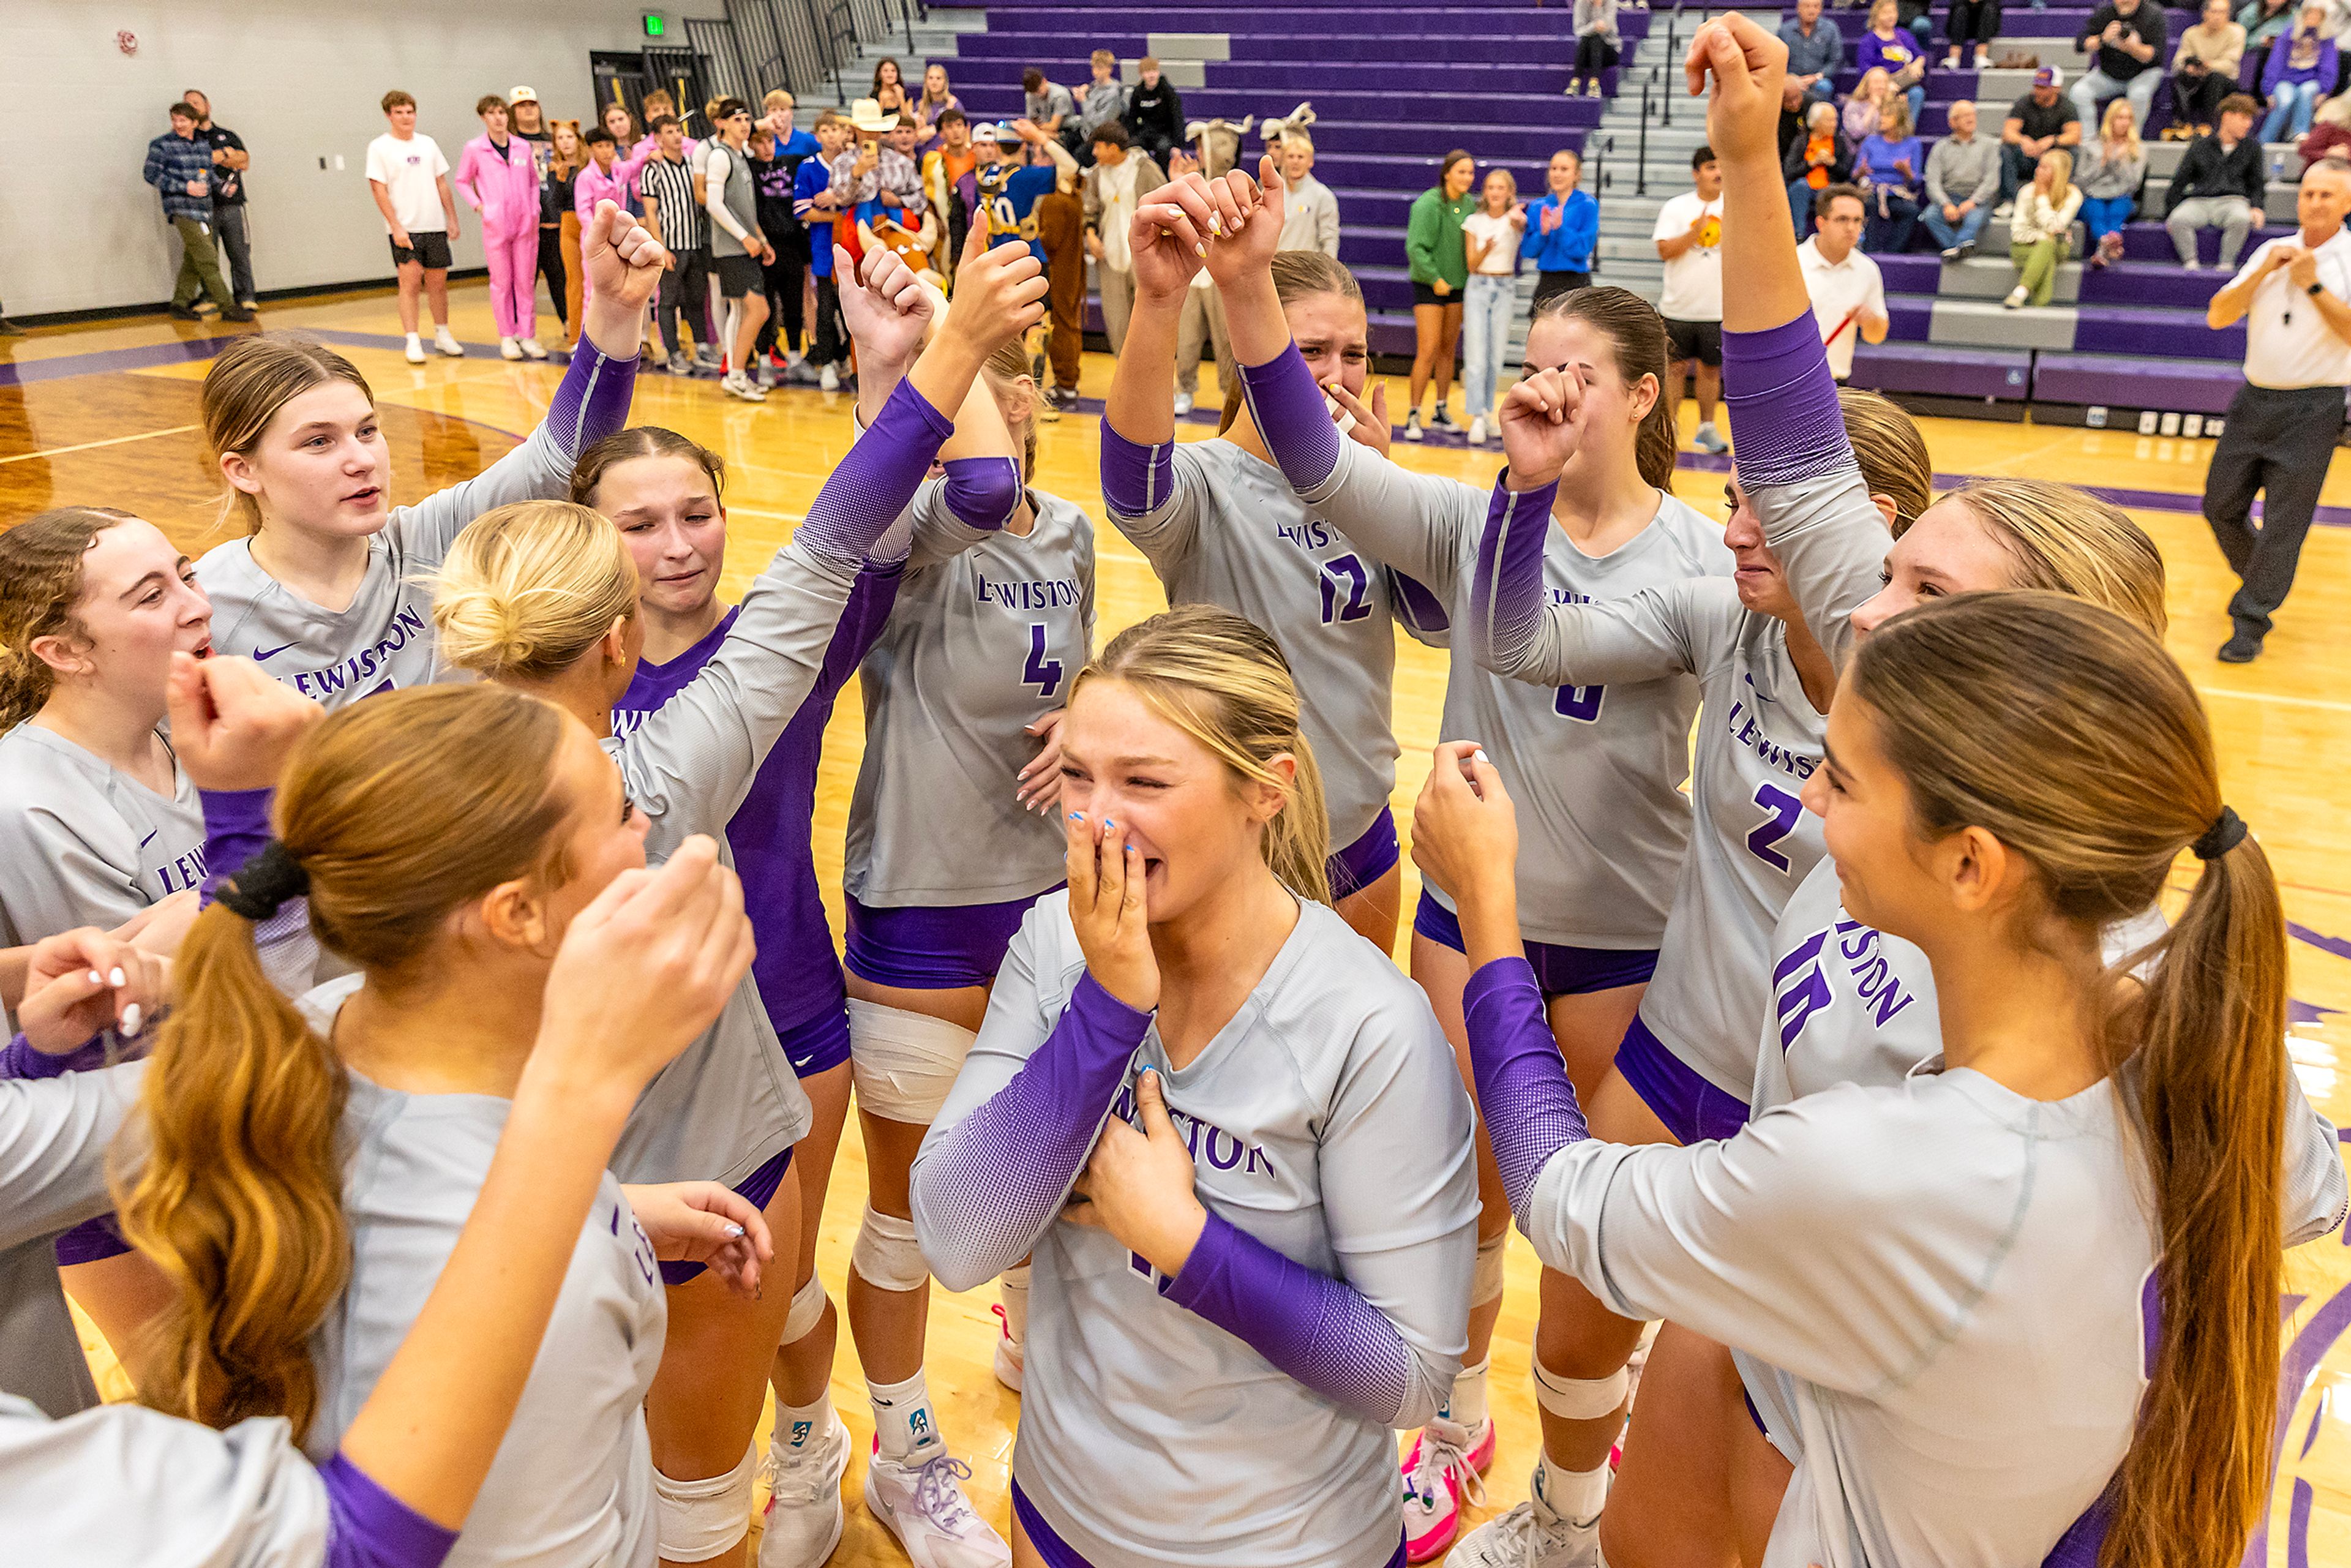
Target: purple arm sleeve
{"type": "Point", "coordinates": [1136, 480]}
{"type": "Point", "coordinates": [1416, 606]}
{"type": "Point", "coordinates": [860, 625]}
{"type": "Point", "coordinates": [1522, 1089]}
{"type": "Point", "coordinates": [21, 1060]}
{"type": "Point", "coordinates": [1001, 1174]}
{"type": "Point", "coordinates": [1506, 595]}
{"type": "Point", "coordinates": [236, 829]}
{"type": "Point", "coordinates": [1783, 404]}
{"type": "Point", "coordinates": [875, 481]}
{"type": "Point", "coordinates": [367, 1527]}
{"type": "Point", "coordinates": [1319, 1330]}
{"type": "Point", "coordinates": [983, 492]}
{"type": "Point", "coordinates": [592, 401]}
{"type": "Point", "coordinates": [1292, 416]}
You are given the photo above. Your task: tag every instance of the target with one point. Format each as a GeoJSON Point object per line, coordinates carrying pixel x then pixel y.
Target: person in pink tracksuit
{"type": "Point", "coordinates": [499, 178]}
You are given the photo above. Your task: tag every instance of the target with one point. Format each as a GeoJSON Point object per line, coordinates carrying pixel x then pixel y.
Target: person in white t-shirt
{"type": "Point", "coordinates": [1690, 239]}
{"type": "Point", "coordinates": [410, 179]}
{"type": "Point", "coordinates": [1489, 237]}
{"type": "Point", "coordinates": [1848, 291]}
{"type": "Point", "coordinates": [2285, 420]}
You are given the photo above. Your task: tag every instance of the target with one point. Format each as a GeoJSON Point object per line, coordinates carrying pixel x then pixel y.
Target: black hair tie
{"type": "Point", "coordinates": [2227, 831]}
{"type": "Point", "coordinates": [268, 881]}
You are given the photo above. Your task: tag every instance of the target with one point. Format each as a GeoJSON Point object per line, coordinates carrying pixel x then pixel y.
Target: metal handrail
{"type": "Point", "coordinates": [1641, 167]}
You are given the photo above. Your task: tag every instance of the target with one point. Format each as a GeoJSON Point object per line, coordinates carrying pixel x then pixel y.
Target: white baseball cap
{"type": "Point", "coordinates": [523, 95]}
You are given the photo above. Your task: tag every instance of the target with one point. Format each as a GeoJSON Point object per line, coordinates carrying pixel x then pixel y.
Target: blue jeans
{"type": "Point", "coordinates": [1800, 207]}
{"type": "Point", "coordinates": [2294, 103]}
{"type": "Point", "coordinates": [1486, 307]}
{"type": "Point", "coordinates": [2106, 215]}
{"type": "Point", "coordinates": [1948, 234]}
{"type": "Point", "coordinates": [1918, 97]}
{"type": "Point", "coordinates": [2091, 91]}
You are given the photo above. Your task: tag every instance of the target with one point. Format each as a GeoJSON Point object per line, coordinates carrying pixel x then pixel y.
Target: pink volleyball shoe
{"type": "Point", "coordinates": [1444, 1468]}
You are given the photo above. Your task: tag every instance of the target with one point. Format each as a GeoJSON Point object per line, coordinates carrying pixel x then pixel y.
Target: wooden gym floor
{"type": "Point", "coordinates": [106, 414]}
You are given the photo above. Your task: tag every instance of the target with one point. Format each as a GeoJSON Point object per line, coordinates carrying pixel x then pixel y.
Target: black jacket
{"type": "Point", "coordinates": [1156, 113]}
{"type": "Point", "coordinates": [1840, 165]}
{"type": "Point", "coordinates": [2206, 171]}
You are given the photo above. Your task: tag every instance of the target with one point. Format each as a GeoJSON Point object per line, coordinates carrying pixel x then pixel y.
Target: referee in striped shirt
{"type": "Point", "coordinates": [674, 212]}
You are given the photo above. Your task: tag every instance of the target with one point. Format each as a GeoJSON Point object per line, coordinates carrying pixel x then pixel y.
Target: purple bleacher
{"type": "Point", "coordinates": [2119, 329]}
{"type": "Point", "coordinates": [2003, 375]}
{"type": "Point", "coordinates": [2164, 283]}
{"type": "Point", "coordinates": [1913, 318]}
{"type": "Point", "coordinates": [2191, 386]}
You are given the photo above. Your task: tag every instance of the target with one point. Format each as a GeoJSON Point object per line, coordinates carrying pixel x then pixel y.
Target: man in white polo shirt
{"type": "Point", "coordinates": [2284, 421]}
{"type": "Point", "coordinates": [1848, 291]}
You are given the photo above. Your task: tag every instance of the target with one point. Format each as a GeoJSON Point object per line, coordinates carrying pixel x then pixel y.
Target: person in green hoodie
{"type": "Point", "coordinates": [1440, 271]}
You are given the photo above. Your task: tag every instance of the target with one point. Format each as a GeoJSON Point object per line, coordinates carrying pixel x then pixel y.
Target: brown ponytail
{"type": "Point", "coordinates": [2067, 732]}
{"type": "Point", "coordinates": [1297, 275]}
{"type": "Point", "coordinates": [643, 441]}
{"type": "Point", "coordinates": [40, 584]}
{"type": "Point", "coordinates": [1639, 335]}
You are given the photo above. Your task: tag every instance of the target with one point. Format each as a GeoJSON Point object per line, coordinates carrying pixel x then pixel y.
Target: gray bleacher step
{"type": "Point", "coordinates": [1190, 46]}
{"type": "Point", "coordinates": [1981, 324]}
{"type": "Point", "coordinates": [1982, 277]}
{"type": "Point", "coordinates": [1183, 74]}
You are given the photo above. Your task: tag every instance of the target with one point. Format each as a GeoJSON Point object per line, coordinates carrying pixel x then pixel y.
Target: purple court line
{"type": "Point", "coordinates": [186, 351]}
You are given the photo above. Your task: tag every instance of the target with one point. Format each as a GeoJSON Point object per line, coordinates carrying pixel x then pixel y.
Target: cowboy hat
{"type": "Point", "coordinates": [867, 115]}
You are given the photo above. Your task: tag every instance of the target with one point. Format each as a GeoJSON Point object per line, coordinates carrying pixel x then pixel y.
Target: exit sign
{"type": "Point", "coordinates": [654, 25]}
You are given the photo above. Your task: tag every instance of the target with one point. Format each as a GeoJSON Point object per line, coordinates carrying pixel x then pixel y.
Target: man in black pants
{"type": "Point", "coordinates": [2294, 296]}
{"type": "Point", "coordinates": [229, 162]}
{"type": "Point", "coordinates": [668, 181]}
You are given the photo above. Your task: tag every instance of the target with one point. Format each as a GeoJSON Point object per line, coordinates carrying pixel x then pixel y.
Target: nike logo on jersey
{"type": "Point", "coordinates": [263, 655]}
{"type": "Point", "coordinates": [148, 839]}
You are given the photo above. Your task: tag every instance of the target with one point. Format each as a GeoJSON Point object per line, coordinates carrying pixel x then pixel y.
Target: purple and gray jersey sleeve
{"type": "Point", "coordinates": [875, 480]}
{"type": "Point", "coordinates": [1136, 481]}
{"type": "Point", "coordinates": [1523, 1090]}
{"type": "Point", "coordinates": [236, 829]}
{"type": "Point", "coordinates": [989, 1180]}
{"type": "Point", "coordinates": [1798, 469]}
{"type": "Point", "coordinates": [975, 499]}
{"type": "Point", "coordinates": [367, 1527]}
{"type": "Point", "coordinates": [1290, 414]}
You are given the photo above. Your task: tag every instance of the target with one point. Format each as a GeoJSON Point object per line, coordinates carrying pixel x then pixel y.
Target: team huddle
{"type": "Point", "coordinates": [431, 1052]}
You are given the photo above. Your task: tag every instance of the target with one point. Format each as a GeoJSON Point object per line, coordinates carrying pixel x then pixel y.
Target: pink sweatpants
{"type": "Point", "coordinates": [513, 282]}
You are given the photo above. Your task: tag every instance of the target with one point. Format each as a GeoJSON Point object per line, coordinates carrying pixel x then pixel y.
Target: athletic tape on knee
{"type": "Point", "coordinates": [903, 1062]}
{"type": "Point", "coordinates": [808, 1311]}
{"type": "Point", "coordinates": [1579, 1399]}
{"type": "Point", "coordinates": [696, 1520]}
{"type": "Point", "coordinates": [1486, 1278]}
{"type": "Point", "coordinates": [886, 1253]}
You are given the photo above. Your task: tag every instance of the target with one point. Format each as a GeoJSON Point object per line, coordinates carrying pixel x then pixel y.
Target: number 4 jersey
{"type": "Point", "coordinates": [979, 646]}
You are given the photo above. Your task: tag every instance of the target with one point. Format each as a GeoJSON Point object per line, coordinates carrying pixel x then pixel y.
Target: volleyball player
{"type": "Point", "coordinates": [1264, 1262]}
{"type": "Point", "coordinates": [324, 591]}
{"type": "Point", "coordinates": [1220, 525]}
{"type": "Point", "coordinates": [689, 766]}
{"type": "Point", "coordinates": [2048, 1261]}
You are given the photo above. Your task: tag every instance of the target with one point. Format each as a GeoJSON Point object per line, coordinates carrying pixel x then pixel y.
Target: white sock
{"type": "Point", "coordinates": [1576, 1495]}
{"type": "Point", "coordinates": [414, 338]}
{"type": "Point", "coordinates": [1468, 1401]}
{"type": "Point", "coordinates": [798, 1425]}
{"type": "Point", "coordinates": [1014, 1286]}
{"type": "Point", "coordinates": [902, 1420]}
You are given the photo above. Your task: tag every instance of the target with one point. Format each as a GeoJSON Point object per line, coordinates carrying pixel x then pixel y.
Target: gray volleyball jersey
{"type": "Point", "coordinates": [1327, 1119]}
{"type": "Point", "coordinates": [54, 1137]}
{"type": "Point", "coordinates": [1954, 1281]}
{"type": "Point", "coordinates": [88, 844]}
{"type": "Point", "coordinates": [978, 645]}
{"type": "Point", "coordinates": [1230, 532]}
{"type": "Point", "coordinates": [1595, 769]}
{"type": "Point", "coordinates": [1757, 739]}
{"type": "Point", "coordinates": [573, 1480]}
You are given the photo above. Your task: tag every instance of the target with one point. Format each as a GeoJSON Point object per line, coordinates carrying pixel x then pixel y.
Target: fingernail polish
{"type": "Point", "coordinates": [734, 1230]}
{"type": "Point", "coordinates": [95, 978]}
{"type": "Point", "coordinates": [131, 1019]}
{"type": "Point", "coordinates": [1077, 816]}
{"type": "Point", "coordinates": [1108, 824]}
{"type": "Point", "coordinates": [114, 976]}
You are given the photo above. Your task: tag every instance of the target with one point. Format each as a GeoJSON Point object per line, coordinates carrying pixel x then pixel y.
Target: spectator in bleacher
{"type": "Point", "coordinates": [2220, 184]}
{"type": "Point", "coordinates": [2203, 70]}
{"type": "Point", "coordinates": [1101, 101]}
{"type": "Point", "coordinates": [1972, 24]}
{"type": "Point", "coordinates": [1867, 105]}
{"type": "Point", "coordinates": [1962, 182]}
{"type": "Point", "coordinates": [2285, 420]}
{"type": "Point", "coordinates": [2041, 231]}
{"type": "Point", "coordinates": [1889, 166]}
{"type": "Point", "coordinates": [1689, 241]}
{"type": "Point", "coordinates": [1598, 46]}
{"type": "Point", "coordinates": [1893, 48]}
{"type": "Point", "coordinates": [2043, 120]}
{"type": "Point", "coordinates": [1113, 187]}
{"type": "Point", "coordinates": [934, 103]}
{"type": "Point", "coordinates": [2265, 21]}
{"type": "Point", "coordinates": [1793, 102]}
{"type": "Point", "coordinates": [2127, 39]}
{"type": "Point", "coordinates": [944, 167]}
{"type": "Point", "coordinates": [2301, 72]}
{"type": "Point", "coordinates": [2330, 135]}
{"type": "Point", "coordinates": [1049, 106]}
{"type": "Point", "coordinates": [1309, 212]}
{"type": "Point", "coordinates": [2112, 170]}
{"type": "Point", "coordinates": [1846, 288]}
{"type": "Point", "coordinates": [889, 85]}
{"type": "Point", "coordinates": [1824, 158]}
{"type": "Point", "coordinates": [1563, 231]}
{"type": "Point", "coordinates": [1155, 112]}
{"type": "Point", "coordinates": [1040, 203]}
{"type": "Point", "coordinates": [1815, 50]}
{"type": "Point", "coordinates": [1490, 238]}
{"type": "Point", "coordinates": [1440, 271]}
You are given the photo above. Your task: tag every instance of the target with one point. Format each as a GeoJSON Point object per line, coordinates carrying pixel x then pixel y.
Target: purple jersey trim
{"type": "Point", "coordinates": [1523, 1093]}
{"type": "Point", "coordinates": [983, 492]}
{"type": "Point", "coordinates": [998, 1178]}
{"type": "Point", "coordinates": [1135, 480]}
{"type": "Point", "coordinates": [1692, 1109]}
{"type": "Point", "coordinates": [875, 481]}
{"type": "Point", "coordinates": [1559, 970]}
{"type": "Point", "coordinates": [1505, 591]}
{"type": "Point", "coordinates": [92, 1241]}
{"type": "Point", "coordinates": [367, 1527]}
{"type": "Point", "coordinates": [933, 948]}
{"type": "Point", "coordinates": [1368, 859]}
{"type": "Point", "coordinates": [22, 1061]}
{"type": "Point", "coordinates": [592, 400]}
{"type": "Point", "coordinates": [1319, 1330]}
{"type": "Point", "coordinates": [757, 1189]}
{"type": "Point", "coordinates": [821, 1043]}
{"type": "Point", "coordinates": [1783, 405]}
{"type": "Point", "coordinates": [1057, 1553]}
{"type": "Point", "coordinates": [1416, 606]}
{"type": "Point", "coordinates": [1293, 417]}
{"type": "Point", "coordinates": [236, 829]}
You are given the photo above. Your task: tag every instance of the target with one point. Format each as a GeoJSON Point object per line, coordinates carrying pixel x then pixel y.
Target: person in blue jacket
{"type": "Point", "coordinates": [1563, 230]}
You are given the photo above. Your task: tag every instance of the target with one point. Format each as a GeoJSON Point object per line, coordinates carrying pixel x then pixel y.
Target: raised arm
{"type": "Point", "coordinates": [1139, 481]}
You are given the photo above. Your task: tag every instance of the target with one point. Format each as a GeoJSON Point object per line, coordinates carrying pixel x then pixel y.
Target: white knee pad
{"type": "Point", "coordinates": [903, 1062]}
{"type": "Point", "coordinates": [1486, 1278]}
{"type": "Point", "coordinates": [808, 1311]}
{"type": "Point", "coordinates": [886, 1253]}
{"type": "Point", "coordinates": [1579, 1399]}
{"type": "Point", "coordinates": [696, 1520]}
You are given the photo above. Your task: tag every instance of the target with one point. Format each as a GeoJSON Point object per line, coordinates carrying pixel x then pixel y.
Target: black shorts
{"type": "Point", "coordinates": [1700, 341]}
{"type": "Point", "coordinates": [1426, 294]}
{"type": "Point", "coordinates": [737, 276]}
{"type": "Point", "coordinates": [428, 246]}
